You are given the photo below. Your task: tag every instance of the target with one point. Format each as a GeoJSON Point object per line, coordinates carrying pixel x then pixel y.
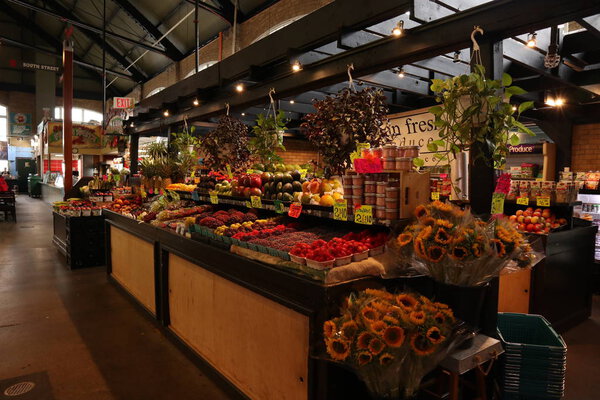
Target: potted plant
{"type": "Point", "coordinates": [227, 144]}
{"type": "Point", "coordinates": [475, 114]}
{"type": "Point", "coordinates": [268, 137]}
{"type": "Point", "coordinates": [342, 121]}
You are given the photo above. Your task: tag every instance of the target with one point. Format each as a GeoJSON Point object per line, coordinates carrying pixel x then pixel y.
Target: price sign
{"type": "Point", "coordinates": [248, 204]}
{"type": "Point", "coordinates": [435, 195]}
{"type": "Point", "coordinates": [278, 206]}
{"type": "Point", "coordinates": [361, 146]}
{"type": "Point", "coordinates": [195, 196]}
{"type": "Point", "coordinates": [229, 173]}
{"type": "Point", "coordinates": [256, 201]}
{"type": "Point", "coordinates": [353, 156]}
{"type": "Point", "coordinates": [214, 198]}
{"type": "Point", "coordinates": [143, 192]}
{"type": "Point", "coordinates": [295, 210]}
{"type": "Point", "coordinates": [250, 171]}
{"type": "Point", "coordinates": [340, 210]}
{"type": "Point", "coordinates": [363, 215]}
{"type": "Point", "coordinates": [498, 203]}
{"type": "Point", "coordinates": [543, 201]}
{"type": "Point", "coordinates": [151, 190]}
{"type": "Point", "coordinates": [524, 201]}
{"type": "Point", "coordinates": [303, 172]}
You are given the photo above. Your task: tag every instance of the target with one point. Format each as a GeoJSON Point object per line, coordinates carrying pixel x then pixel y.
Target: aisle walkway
{"type": "Point", "coordinates": [75, 326]}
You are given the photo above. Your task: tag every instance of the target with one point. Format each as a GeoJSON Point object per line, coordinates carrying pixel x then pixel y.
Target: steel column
{"type": "Point", "coordinates": [67, 80]}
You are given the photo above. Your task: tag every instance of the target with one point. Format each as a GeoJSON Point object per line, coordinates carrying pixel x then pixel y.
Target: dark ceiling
{"type": "Point", "coordinates": [33, 31]}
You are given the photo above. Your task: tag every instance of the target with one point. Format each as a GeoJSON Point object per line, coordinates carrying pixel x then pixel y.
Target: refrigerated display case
{"type": "Point", "coordinates": [590, 210]}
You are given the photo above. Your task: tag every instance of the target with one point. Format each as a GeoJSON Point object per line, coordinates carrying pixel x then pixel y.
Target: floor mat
{"type": "Point", "coordinates": [34, 386]}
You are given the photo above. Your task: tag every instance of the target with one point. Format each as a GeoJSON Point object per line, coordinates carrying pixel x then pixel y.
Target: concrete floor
{"type": "Point", "coordinates": [95, 345]}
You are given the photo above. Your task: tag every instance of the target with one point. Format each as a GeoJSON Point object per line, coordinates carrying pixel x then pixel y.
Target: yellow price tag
{"type": "Point", "coordinates": [340, 210]}
{"type": "Point", "coordinates": [435, 195]}
{"type": "Point", "coordinates": [248, 204]}
{"type": "Point", "coordinates": [143, 192]}
{"type": "Point", "coordinates": [256, 201]}
{"type": "Point", "coordinates": [303, 172]}
{"type": "Point", "coordinates": [364, 215]}
{"type": "Point", "coordinates": [214, 198]}
{"type": "Point", "coordinates": [361, 146]}
{"type": "Point", "coordinates": [229, 173]}
{"type": "Point", "coordinates": [250, 171]}
{"type": "Point", "coordinates": [498, 203]}
{"type": "Point", "coordinates": [524, 201]}
{"type": "Point", "coordinates": [353, 156]}
{"type": "Point", "coordinates": [543, 201]}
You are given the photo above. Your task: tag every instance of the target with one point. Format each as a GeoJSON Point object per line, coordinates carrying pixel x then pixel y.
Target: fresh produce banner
{"type": "Point", "coordinates": [20, 124]}
{"type": "Point", "coordinates": [84, 136]}
{"type": "Point", "coordinates": [415, 128]}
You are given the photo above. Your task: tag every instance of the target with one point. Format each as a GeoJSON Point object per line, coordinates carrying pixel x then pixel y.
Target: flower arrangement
{"type": "Point", "coordinates": [391, 341]}
{"type": "Point", "coordinates": [454, 247]}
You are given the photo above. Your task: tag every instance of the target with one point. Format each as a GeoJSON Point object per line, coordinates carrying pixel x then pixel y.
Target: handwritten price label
{"type": "Point", "coordinates": [498, 203]}
{"type": "Point", "coordinates": [256, 201]}
{"type": "Point", "coordinates": [214, 198]}
{"type": "Point", "coordinates": [340, 210]}
{"type": "Point", "coordinates": [303, 172]}
{"type": "Point", "coordinates": [248, 204]}
{"type": "Point", "coordinates": [195, 196]}
{"type": "Point", "coordinates": [435, 195]}
{"type": "Point", "coordinates": [524, 201]}
{"type": "Point", "coordinates": [278, 206]}
{"type": "Point", "coordinates": [363, 215]}
{"type": "Point", "coordinates": [543, 201]}
{"type": "Point", "coordinates": [295, 210]}
{"type": "Point", "coordinates": [229, 173]}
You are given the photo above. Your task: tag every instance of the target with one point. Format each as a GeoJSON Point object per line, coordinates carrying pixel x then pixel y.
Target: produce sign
{"type": "Point", "coordinates": [214, 198]}
{"type": "Point", "coordinates": [295, 210]}
{"type": "Point", "coordinates": [435, 195]}
{"type": "Point", "coordinates": [524, 201]}
{"type": "Point", "coordinates": [363, 215]}
{"type": "Point", "coordinates": [340, 210]}
{"type": "Point", "coordinates": [256, 202]}
{"type": "Point", "coordinates": [278, 206]}
{"type": "Point", "coordinates": [84, 136]}
{"type": "Point", "coordinates": [543, 201]}
{"type": "Point", "coordinates": [498, 203]}
{"type": "Point", "coordinates": [368, 166]}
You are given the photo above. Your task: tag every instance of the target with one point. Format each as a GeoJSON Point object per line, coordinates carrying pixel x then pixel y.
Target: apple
{"type": "Point", "coordinates": [535, 219]}
{"type": "Point", "coordinates": [255, 181]}
{"type": "Point", "coordinates": [520, 219]}
{"type": "Point", "coordinates": [530, 209]}
{"type": "Point", "coordinates": [512, 218]}
{"type": "Point", "coordinates": [522, 227]}
{"type": "Point", "coordinates": [530, 227]}
{"type": "Point", "coordinates": [538, 210]}
{"type": "Point", "coordinates": [527, 220]}
{"type": "Point", "coordinates": [247, 192]}
{"type": "Point", "coordinates": [255, 192]}
{"type": "Point", "coordinates": [537, 214]}
{"type": "Point", "coordinates": [519, 212]}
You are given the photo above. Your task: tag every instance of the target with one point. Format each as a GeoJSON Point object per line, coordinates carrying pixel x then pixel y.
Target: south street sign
{"type": "Point", "coordinates": [41, 67]}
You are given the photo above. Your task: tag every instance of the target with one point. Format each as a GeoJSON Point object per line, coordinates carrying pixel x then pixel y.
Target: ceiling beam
{"type": "Point", "coordinates": [592, 24]}
{"type": "Point", "coordinates": [500, 19]}
{"type": "Point", "coordinates": [64, 14]}
{"type": "Point", "coordinates": [170, 49]}
{"type": "Point", "coordinates": [225, 14]}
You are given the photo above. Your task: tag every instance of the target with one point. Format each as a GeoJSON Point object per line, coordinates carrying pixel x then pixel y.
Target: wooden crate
{"type": "Point", "coordinates": [414, 190]}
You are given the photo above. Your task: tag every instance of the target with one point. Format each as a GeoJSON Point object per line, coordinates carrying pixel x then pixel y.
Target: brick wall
{"type": "Point", "coordinates": [247, 32]}
{"type": "Point", "coordinates": [298, 152]}
{"type": "Point", "coordinates": [585, 148]}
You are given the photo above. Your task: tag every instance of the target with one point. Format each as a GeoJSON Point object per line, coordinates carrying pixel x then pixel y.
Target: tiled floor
{"type": "Point", "coordinates": [95, 345]}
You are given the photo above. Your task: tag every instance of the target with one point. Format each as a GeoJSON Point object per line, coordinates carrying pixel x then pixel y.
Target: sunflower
{"type": "Point", "coordinates": [370, 314]}
{"type": "Point", "coordinates": [421, 345]}
{"type": "Point", "coordinates": [419, 248]}
{"type": "Point", "coordinates": [435, 253]}
{"type": "Point", "coordinates": [439, 318]}
{"type": "Point", "coordinates": [444, 207]}
{"type": "Point", "coordinates": [379, 293]}
{"type": "Point", "coordinates": [442, 236]}
{"type": "Point", "coordinates": [425, 233]}
{"type": "Point", "coordinates": [376, 346]}
{"type": "Point", "coordinates": [349, 329]}
{"type": "Point", "coordinates": [386, 359]}
{"type": "Point", "coordinates": [338, 349]}
{"type": "Point", "coordinates": [381, 306]}
{"type": "Point", "coordinates": [441, 306]}
{"type": "Point", "coordinates": [329, 328]}
{"type": "Point", "coordinates": [449, 314]}
{"type": "Point", "coordinates": [417, 317]}
{"type": "Point", "coordinates": [500, 248]}
{"type": "Point", "coordinates": [444, 223]}
{"type": "Point", "coordinates": [503, 234]}
{"type": "Point", "coordinates": [421, 211]}
{"type": "Point", "coordinates": [364, 358]}
{"type": "Point", "coordinates": [435, 336]}
{"type": "Point", "coordinates": [391, 320]}
{"type": "Point", "coordinates": [393, 336]}
{"type": "Point", "coordinates": [428, 221]}
{"type": "Point", "coordinates": [378, 327]}
{"type": "Point", "coordinates": [458, 253]}
{"type": "Point", "coordinates": [476, 248]}
{"type": "Point", "coordinates": [404, 239]}
{"type": "Point", "coordinates": [406, 301]}
{"type": "Point", "coordinates": [363, 340]}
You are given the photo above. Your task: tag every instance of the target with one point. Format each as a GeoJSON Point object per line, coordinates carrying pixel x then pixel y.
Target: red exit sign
{"type": "Point", "coordinates": [123, 102]}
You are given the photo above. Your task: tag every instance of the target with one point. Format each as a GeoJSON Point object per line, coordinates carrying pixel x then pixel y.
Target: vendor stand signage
{"type": "Point", "coordinates": [20, 124]}
{"type": "Point", "coordinates": [526, 149]}
{"type": "Point", "coordinates": [40, 67]}
{"type": "Point", "coordinates": [415, 128]}
{"type": "Point", "coordinates": [84, 136]}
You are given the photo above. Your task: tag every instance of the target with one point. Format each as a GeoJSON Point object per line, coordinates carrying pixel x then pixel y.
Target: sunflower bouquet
{"type": "Point", "coordinates": [391, 341]}
{"type": "Point", "coordinates": [454, 247]}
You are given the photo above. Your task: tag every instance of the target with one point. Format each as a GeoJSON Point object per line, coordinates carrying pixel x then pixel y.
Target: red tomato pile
{"type": "Point", "coordinates": [321, 251]}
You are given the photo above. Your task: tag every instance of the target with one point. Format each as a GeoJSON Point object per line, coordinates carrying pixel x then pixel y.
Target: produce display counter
{"type": "Point", "coordinates": [51, 193]}
{"type": "Point", "coordinates": [79, 239]}
{"type": "Point", "coordinates": [253, 323]}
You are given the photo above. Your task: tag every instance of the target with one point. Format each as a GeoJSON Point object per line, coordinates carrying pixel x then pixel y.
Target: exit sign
{"type": "Point", "coordinates": [123, 102]}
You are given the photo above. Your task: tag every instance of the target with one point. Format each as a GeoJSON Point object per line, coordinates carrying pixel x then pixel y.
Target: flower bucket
{"type": "Point", "coordinates": [465, 301]}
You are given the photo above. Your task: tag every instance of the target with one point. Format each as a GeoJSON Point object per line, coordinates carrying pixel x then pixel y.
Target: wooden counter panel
{"type": "Point", "coordinates": [514, 292]}
{"type": "Point", "coordinates": [133, 266]}
{"type": "Point", "coordinates": [256, 343]}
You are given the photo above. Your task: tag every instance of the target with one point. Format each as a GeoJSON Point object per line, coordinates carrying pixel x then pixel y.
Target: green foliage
{"type": "Point", "coordinates": [267, 139]}
{"type": "Point", "coordinates": [474, 110]}
{"type": "Point", "coordinates": [227, 144]}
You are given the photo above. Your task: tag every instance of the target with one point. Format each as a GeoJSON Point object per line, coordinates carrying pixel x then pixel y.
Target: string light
{"type": "Point", "coordinates": [292, 101]}
{"type": "Point", "coordinates": [296, 66]}
{"type": "Point", "coordinates": [532, 40]}
{"type": "Point", "coordinates": [196, 103]}
{"type": "Point", "coordinates": [243, 114]}
{"type": "Point", "coordinates": [401, 73]}
{"type": "Point", "coordinates": [239, 87]}
{"type": "Point", "coordinates": [166, 113]}
{"type": "Point", "coordinates": [398, 29]}
{"type": "Point", "coordinates": [559, 102]}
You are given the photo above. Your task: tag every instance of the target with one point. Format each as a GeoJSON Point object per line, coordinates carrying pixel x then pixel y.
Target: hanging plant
{"type": "Point", "coordinates": [475, 113]}
{"type": "Point", "coordinates": [268, 137]}
{"type": "Point", "coordinates": [342, 121]}
{"type": "Point", "coordinates": [227, 144]}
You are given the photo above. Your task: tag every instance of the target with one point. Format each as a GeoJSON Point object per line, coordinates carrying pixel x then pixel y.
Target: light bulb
{"type": "Point", "coordinates": [296, 66]}
{"type": "Point", "coordinates": [559, 102]}
{"type": "Point", "coordinates": [401, 73]}
{"type": "Point", "coordinates": [239, 87]}
{"type": "Point", "coordinates": [532, 40]}
{"type": "Point", "coordinates": [514, 108]}
{"type": "Point", "coordinates": [550, 101]}
{"type": "Point", "coordinates": [166, 113]}
{"type": "Point", "coordinates": [196, 102]}
{"type": "Point", "coordinates": [243, 114]}
{"type": "Point", "coordinates": [132, 125]}
{"type": "Point", "coordinates": [292, 101]}
{"type": "Point", "coordinates": [398, 29]}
